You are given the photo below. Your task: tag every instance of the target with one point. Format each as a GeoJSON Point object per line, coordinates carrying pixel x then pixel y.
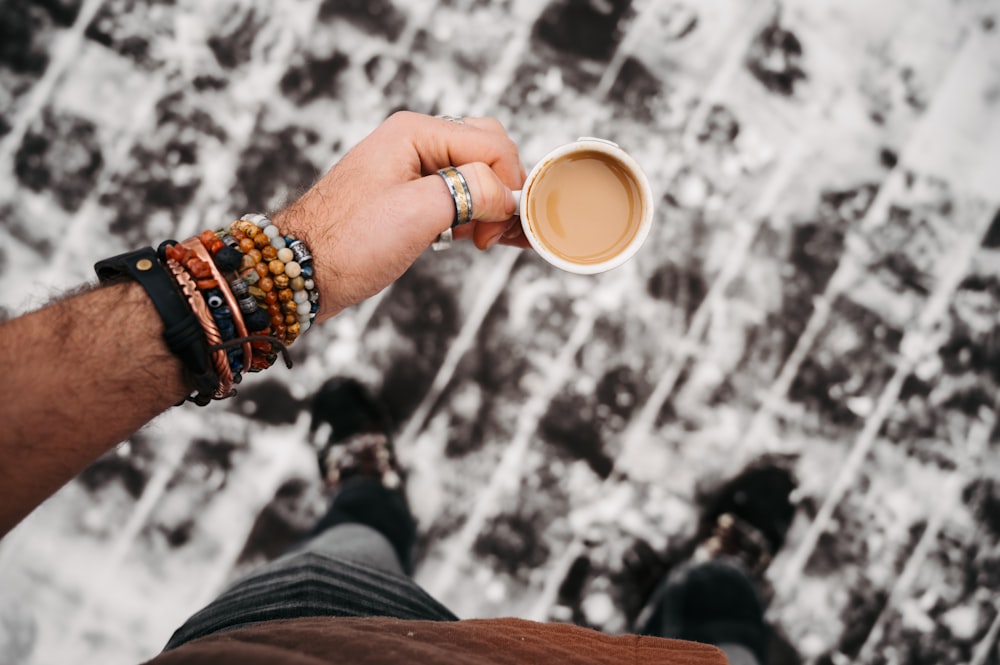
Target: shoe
{"type": "Point", "coordinates": [358, 442]}
{"type": "Point", "coordinates": [748, 517]}
{"type": "Point", "coordinates": [366, 454]}
{"type": "Point", "coordinates": [357, 463]}
{"type": "Point", "coordinates": [347, 408]}
{"type": "Point", "coordinates": [738, 539]}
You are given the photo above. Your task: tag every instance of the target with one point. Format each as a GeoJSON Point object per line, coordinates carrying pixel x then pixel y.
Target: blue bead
{"type": "Point", "coordinates": [225, 327]}
{"type": "Point", "coordinates": [314, 308]}
{"type": "Point", "coordinates": [308, 272]}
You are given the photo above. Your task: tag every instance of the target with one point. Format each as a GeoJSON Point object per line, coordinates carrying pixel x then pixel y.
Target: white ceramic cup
{"type": "Point", "coordinates": [584, 145]}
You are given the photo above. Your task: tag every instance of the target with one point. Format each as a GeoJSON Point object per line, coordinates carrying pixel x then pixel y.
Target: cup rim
{"type": "Point", "coordinates": [645, 223]}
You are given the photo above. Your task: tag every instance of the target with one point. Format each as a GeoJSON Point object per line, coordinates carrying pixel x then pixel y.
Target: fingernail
{"type": "Point", "coordinates": [508, 229]}
{"type": "Point", "coordinates": [509, 203]}
{"type": "Point", "coordinates": [512, 233]}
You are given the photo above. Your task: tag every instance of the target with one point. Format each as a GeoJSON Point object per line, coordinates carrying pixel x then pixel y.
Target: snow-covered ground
{"type": "Point", "coordinates": [822, 286]}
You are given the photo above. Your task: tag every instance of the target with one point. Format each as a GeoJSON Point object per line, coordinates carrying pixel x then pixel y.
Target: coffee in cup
{"type": "Point", "coordinates": [586, 207]}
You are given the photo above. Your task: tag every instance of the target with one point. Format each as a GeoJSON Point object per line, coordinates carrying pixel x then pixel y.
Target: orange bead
{"type": "Point", "coordinates": [262, 241]}
{"type": "Point", "coordinates": [261, 347]}
{"type": "Point", "coordinates": [269, 253]}
{"type": "Point", "coordinates": [207, 238]}
{"type": "Point", "coordinates": [174, 252]}
{"type": "Point", "coordinates": [216, 245]}
{"type": "Point", "coordinates": [246, 245]}
{"type": "Point", "coordinates": [252, 230]}
{"type": "Point", "coordinates": [266, 284]}
{"type": "Point", "coordinates": [255, 254]}
{"type": "Point", "coordinates": [262, 270]}
{"type": "Point", "coordinates": [281, 281]}
{"type": "Point", "coordinates": [206, 284]}
{"type": "Point", "coordinates": [277, 320]}
{"type": "Point", "coordinates": [280, 331]}
{"type": "Point", "coordinates": [276, 267]}
{"type": "Point", "coordinates": [274, 310]}
{"type": "Point", "coordinates": [294, 329]}
{"type": "Point", "coordinates": [290, 319]}
{"type": "Point", "coordinates": [259, 364]}
{"type": "Point", "coordinates": [199, 269]}
{"type": "Point", "coordinates": [271, 298]}
{"type": "Point", "coordinates": [291, 306]}
{"type": "Point", "coordinates": [236, 233]}
{"type": "Point", "coordinates": [285, 295]}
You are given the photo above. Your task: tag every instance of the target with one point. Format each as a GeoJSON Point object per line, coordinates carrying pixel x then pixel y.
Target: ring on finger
{"type": "Point", "coordinates": [458, 120]}
{"type": "Point", "coordinates": [460, 194]}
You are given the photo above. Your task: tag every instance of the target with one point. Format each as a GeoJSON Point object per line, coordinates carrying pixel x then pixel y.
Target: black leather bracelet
{"type": "Point", "coordinates": [181, 330]}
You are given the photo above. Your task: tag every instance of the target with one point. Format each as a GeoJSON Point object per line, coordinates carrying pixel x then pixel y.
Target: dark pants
{"type": "Point", "coordinates": [356, 564]}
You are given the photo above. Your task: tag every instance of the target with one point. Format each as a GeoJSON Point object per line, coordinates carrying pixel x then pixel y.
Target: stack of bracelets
{"type": "Point", "coordinates": [230, 300]}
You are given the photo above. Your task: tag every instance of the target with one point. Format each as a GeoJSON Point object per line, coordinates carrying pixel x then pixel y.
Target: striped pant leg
{"type": "Point", "coordinates": [351, 570]}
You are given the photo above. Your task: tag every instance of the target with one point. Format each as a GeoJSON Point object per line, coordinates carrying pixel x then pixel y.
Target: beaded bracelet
{"type": "Point", "coordinates": [220, 360]}
{"type": "Point", "coordinates": [228, 259]}
{"type": "Point", "coordinates": [279, 274]}
{"type": "Point", "coordinates": [206, 314]}
{"type": "Point", "coordinates": [297, 265]}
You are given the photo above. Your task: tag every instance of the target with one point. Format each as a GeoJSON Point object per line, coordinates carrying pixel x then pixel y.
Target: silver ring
{"type": "Point", "coordinates": [460, 194]}
{"type": "Point", "coordinates": [458, 120]}
{"type": "Point", "coordinates": [443, 240]}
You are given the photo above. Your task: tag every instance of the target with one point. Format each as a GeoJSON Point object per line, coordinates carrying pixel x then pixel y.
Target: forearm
{"type": "Point", "coordinates": [81, 375]}
{"type": "Point", "coordinates": [85, 373]}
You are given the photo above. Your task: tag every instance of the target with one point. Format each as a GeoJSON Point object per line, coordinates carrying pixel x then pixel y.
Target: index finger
{"type": "Point", "coordinates": [495, 126]}
{"type": "Point", "coordinates": [439, 143]}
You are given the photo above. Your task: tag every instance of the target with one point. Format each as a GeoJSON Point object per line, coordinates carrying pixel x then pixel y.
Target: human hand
{"type": "Point", "coordinates": [383, 204]}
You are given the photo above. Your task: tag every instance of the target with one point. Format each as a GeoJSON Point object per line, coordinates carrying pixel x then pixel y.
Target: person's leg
{"type": "Point", "coordinates": [349, 568]}
{"type": "Point", "coordinates": [714, 602]}
{"type": "Point", "coordinates": [365, 500]}
{"type": "Point", "coordinates": [357, 559]}
{"type": "Point", "coordinates": [715, 598]}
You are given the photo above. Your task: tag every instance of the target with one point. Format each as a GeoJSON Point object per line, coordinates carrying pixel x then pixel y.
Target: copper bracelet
{"type": "Point", "coordinates": [212, 335]}
{"type": "Point", "coordinates": [198, 249]}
